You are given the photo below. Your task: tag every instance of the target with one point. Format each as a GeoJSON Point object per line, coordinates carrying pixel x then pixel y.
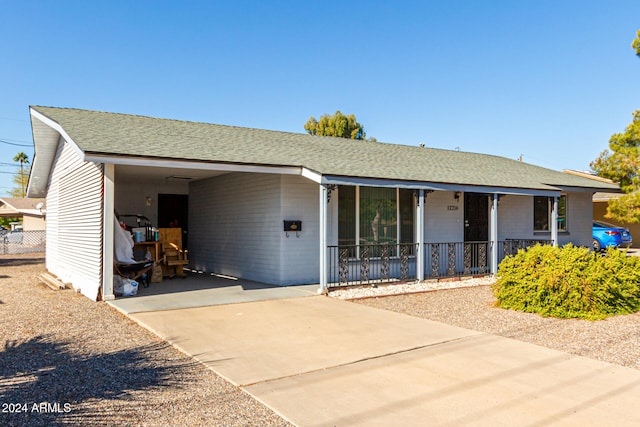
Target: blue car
{"type": "Point", "coordinates": [608, 235]}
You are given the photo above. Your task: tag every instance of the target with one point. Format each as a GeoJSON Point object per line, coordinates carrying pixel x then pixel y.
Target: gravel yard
{"type": "Point", "coordinates": [67, 360]}
{"type": "Point", "coordinates": [96, 367]}
{"type": "Point", "coordinates": [614, 340]}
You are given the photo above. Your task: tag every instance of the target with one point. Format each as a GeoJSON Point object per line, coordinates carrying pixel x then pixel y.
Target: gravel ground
{"type": "Point", "coordinates": [615, 340]}
{"type": "Point", "coordinates": [96, 367]}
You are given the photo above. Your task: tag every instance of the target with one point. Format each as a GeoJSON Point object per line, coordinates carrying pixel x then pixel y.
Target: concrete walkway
{"type": "Point", "coordinates": [322, 362]}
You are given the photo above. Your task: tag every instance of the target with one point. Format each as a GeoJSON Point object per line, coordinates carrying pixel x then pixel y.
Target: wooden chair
{"type": "Point", "coordinates": [174, 259]}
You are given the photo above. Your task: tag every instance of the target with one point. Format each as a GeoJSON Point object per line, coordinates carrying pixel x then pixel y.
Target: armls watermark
{"type": "Point", "coordinates": [39, 407]}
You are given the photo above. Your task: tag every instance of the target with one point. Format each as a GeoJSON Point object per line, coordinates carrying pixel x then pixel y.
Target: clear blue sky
{"type": "Point", "coordinates": [550, 80]}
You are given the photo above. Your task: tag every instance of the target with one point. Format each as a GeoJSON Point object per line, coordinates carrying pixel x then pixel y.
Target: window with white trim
{"type": "Point", "coordinates": [542, 208]}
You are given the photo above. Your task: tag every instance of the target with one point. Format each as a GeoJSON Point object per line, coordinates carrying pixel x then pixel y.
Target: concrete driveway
{"type": "Point", "coordinates": [323, 362]}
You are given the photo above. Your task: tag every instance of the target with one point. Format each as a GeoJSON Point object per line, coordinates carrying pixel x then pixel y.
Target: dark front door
{"type": "Point", "coordinates": [476, 217]}
{"type": "Point", "coordinates": [173, 211]}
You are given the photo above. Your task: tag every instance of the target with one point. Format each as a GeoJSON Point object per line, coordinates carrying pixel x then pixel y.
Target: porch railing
{"type": "Point", "coordinates": [370, 263]}
{"type": "Point", "coordinates": [386, 263]}
{"type": "Point", "coordinates": [512, 246]}
{"type": "Point", "coordinates": [456, 259]}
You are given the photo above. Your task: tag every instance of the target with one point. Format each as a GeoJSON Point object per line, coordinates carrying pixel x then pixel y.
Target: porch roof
{"type": "Point", "coordinates": [115, 136]}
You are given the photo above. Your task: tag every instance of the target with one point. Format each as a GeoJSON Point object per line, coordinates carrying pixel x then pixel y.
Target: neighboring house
{"type": "Point", "coordinates": [287, 208]}
{"type": "Point", "coordinates": [601, 202]}
{"type": "Point", "coordinates": [32, 212]}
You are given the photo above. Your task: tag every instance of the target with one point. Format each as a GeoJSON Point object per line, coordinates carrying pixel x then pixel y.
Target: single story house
{"type": "Point", "coordinates": [287, 208]}
{"type": "Point", "coordinates": [32, 211]}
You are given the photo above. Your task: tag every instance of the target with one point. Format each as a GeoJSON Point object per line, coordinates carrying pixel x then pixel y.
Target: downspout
{"type": "Point", "coordinates": [108, 218]}
{"type": "Point", "coordinates": [494, 234]}
{"type": "Point", "coordinates": [323, 289]}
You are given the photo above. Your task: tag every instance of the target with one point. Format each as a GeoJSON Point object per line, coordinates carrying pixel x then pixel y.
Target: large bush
{"type": "Point", "coordinates": [569, 282]}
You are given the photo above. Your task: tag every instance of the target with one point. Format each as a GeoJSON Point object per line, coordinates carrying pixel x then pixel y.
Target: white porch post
{"type": "Point", "coordinates": [494, 234]}
{"type": "Point", "coordinates": [554, 221]}
{"type": "Point", "coordinates": [323, 238]}
{"type": "Point", "coordinates": [107, 232]}
{"type": "Point", "coordinates": [420, 231]}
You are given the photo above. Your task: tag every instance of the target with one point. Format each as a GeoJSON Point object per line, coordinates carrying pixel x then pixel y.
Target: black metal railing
{"type": "Point", "coordinates": [22, 242]}
{"type": "Point", "coordinates": [456, 259]}
{"type": "Point", "coordinates": [469, 258]}
{"type": "Point", "coordinates": [512, 246]}
{"type": "Point", "coordinates": [386, 263]}
{"type": "Point", "coordinates": [371, 263]}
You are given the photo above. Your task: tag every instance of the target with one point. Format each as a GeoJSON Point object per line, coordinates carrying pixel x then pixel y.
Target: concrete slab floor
{"type": "Point", "coordinates": [323, 362]}
{"type": "Point", "coordinates": [199, 290]}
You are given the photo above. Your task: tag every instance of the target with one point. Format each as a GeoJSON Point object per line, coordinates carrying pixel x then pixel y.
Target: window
{"type": "Point", "coordinates": [378, 215]}
{"type": "Point", "coordinates": [542, 207]}
{"type": "Point", "coordinates": [346, 216]}
{"type": "Point", "coordinates": [375, 215]}
{"type": "Point", "coordinates": [562, 213]}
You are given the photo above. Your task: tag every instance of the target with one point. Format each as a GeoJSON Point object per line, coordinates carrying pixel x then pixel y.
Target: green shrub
{"type": "Point", "coordinates": [569, 282]}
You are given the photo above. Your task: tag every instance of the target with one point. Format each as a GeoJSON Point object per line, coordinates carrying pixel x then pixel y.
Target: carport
{"type": "Point", "coordinates": [199, 289]}
{"type": "Point", "coordinates": [90, 165]}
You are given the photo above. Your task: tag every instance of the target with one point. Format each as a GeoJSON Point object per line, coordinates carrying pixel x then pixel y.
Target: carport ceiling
{"type": "Point", "coordinates": [146, 173]}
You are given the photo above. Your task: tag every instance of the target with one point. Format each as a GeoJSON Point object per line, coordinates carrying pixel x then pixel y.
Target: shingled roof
{"type": "Point", "coordinates": [112, 134]}
{"type": "Point", "coordinates": [18, 206]}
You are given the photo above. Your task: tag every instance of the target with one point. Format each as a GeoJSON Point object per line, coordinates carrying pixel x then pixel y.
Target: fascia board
{"type": "Point", "coordinates": [369, 182]}
{"type": "Point", "coordinates": [184, 164]}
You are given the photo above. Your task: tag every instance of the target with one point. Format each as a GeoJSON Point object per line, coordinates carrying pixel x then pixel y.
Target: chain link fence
{"type": "Point", "coordinates": [22, 242]}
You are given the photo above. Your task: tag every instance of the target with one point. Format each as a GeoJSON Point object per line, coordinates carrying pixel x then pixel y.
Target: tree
{"type": "Point", "coordinates": [636, 43]}
{"type": "Point", "coordinates": [21, 179]}
{"type": "Point", "coordinates": [621, 163]}
{"type": "Point", "coordinates": [337, 125]}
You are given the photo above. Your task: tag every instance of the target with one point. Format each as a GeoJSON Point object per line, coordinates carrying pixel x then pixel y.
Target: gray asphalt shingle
{"type": "Point", "coordinates": [122, 134]}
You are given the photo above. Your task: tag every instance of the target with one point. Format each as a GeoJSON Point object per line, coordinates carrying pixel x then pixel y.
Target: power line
{"type": "Point", "coordinates": [16, 144]}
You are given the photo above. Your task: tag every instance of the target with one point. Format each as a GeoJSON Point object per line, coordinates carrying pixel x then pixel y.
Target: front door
{"type": "Point", "coordinates": [476, 233]}
{"type": "Point", "coordinates": [476, 217]}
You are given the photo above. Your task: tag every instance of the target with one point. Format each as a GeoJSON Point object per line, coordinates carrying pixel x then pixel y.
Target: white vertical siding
{"type": "Point", "coordinates": [75, 203]}
{"type": "Point", "coordinates": [236, 226]}
{"type": "Point", "coordinates": [300, 257]}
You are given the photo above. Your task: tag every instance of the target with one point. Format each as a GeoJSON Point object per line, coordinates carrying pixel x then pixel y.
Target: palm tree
{"type": "Point", "coordinates": [23, 159]}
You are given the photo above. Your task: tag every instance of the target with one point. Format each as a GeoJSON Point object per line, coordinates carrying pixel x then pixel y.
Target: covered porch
{"type": "Point", "coordinates": [430, 232]}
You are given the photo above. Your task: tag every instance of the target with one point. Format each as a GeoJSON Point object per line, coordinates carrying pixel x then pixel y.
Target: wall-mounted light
{"type": "Point", "coordinates": [148, 201]}
{"type": "Point", "coordinates": [456, 196]}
